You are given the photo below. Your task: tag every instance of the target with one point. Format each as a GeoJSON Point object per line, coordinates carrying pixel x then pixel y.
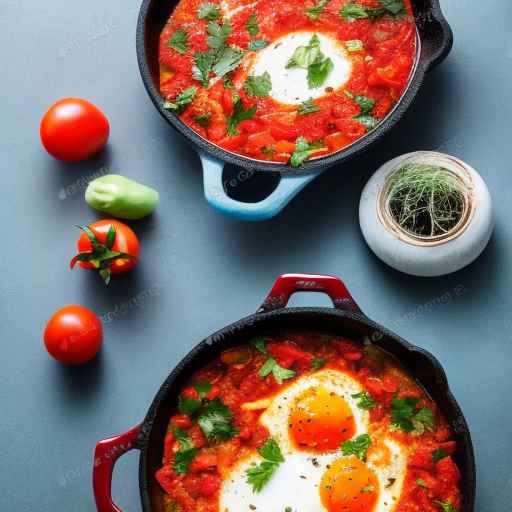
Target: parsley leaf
{"type": "Point", "coordinates": [218, 34]}
{"type": "Point", "coordinates": [308, 107]}
{"type": "Point", "coordinates": [270, 366]}
{"type": "Point", "coordinates": [353, 11]}
{"type": "Point", "coordinates": [227, 61]}
{"type": "Point", "coordinates": [317, 363]}
{"type": "Point", "coordinates": [305, 56]}
{"type": "Point", "coordinates": [203, 63]}
{"type": "Point", "coordinates": [208, 11]}
{"type": "Point", "coordinates": [446, 506]}
{"type": "Point", "coordinates": [358, 446]}
{"type": "Point", "coordinates": [368, 121]}
{"type": "Point", "coordinates": [258, 85]}
{"type": "Point", "coordinates": [179, 41]}
{"type": "Point", "coordinates": [182, 100]}
{"type": "Point", "coordinates": [203, 387]}
{"type": "Point", "coordinates": [186, 452]}
{"type": "Point", "coordinates": [189, 406]}
{"type": "Point", "coordinates": [259, 344]}
{"type": "Point", "coordinates": [303, 150]}
{"type": "Point", "coordinates": [313, 13]}
{"type": "Point", "coordinates": [215, 421]}
{"type": "Point", "coordinates": [354, 45]}
{"type": "Point", "coordinates": [318, 72]}
{"type": "Point", "coordinates": [204, 120]}
{"type": "Point", "coordinates": [365, 402]}
{"type": "Point", "coordinates": [239, 114]}
{"type": "Point", "coordinates": [259, 476]}
{"type": "Point", "coordinates": [394, 7]}
{"type": "Point", "coordinates": [439, 454]}
{"type": "Point", "coordinates": [367, 104]}
{"type": "Point", "coordinates": [257, 44]}
{"type": "Point", "coordinates": [423, 420]}
{"type": "Point", "coordinates": [252, 25]}
{"type": "Point", "coordinates": [402, 412]}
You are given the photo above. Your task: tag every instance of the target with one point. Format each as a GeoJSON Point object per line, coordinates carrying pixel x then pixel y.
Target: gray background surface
{"type": "Point", "coordinates": [201, 271]}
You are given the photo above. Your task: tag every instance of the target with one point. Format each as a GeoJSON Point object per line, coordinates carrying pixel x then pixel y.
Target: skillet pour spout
{"type": "Point", "coordinates": [344, 319]}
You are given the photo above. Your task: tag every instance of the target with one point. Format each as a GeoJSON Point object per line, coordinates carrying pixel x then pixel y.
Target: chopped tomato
{"type": "Point", "coordinates": [280, 132]}
{"type": "Point", "coordinates": [233, 141]}
{"type": "Point", "coordinates": [337, 141]}
{"type": "Point", "coordinates": [283, 146]}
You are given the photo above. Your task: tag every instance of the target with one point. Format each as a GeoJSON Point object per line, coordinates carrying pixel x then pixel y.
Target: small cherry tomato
{"type": "Point", "coordinates": [73, 335]}
{"type": "Point", "coordinates": [74, 129]}
{"type": "Point", "coordinates": [108, 246]}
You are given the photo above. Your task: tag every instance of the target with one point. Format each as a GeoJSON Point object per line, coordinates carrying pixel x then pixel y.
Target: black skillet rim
{"type": "Point", "coordinates": [451, 408]}
{"type": "Point", "coordinates": [431, 14]}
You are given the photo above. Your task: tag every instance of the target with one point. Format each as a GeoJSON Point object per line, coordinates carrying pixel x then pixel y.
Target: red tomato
{"type": "Point", "coordinates": [73, 335]}
{"type": "Point", "coordinates": [108, 246]}
{"type": "Point", "coordinates": [280, 132]}
{"type": "Point", "coordinates": [74, 129]}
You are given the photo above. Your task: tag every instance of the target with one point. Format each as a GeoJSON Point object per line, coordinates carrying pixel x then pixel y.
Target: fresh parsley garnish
{"type": "Point", "coordinates": [354, 45]}
{"type": "Point", "coordinates": [182, 100]}
{"type": "Point", "coordinates": [208, 11]}
{"type": "Point", "coordinates": [354, 11]}
{"type": "Point", "coordinates": [313, 13]}
{"type": "Point", "coordinates": [179, 41]}
{"type": "Point", "coordinates": [218, 34]}
{"type": "Point", "coordinates": [257, 44]}
{"type": "Point", "coordinates": [394, 7]}
{"type": "Point", "coordinates": [204, 120]}
{"type": "Point", "coordinates": [368, 121]}
{"type": "Point", "coordinates": [405, 416]}
{"type": "Point", "coordinates": [258, 85]}
{"type": "Point", "coordinates": [318, 72]}
{"type": "Point", "coordinates": [445, 506]}
{"type": "Point", "coordinates": [358, 446]}
{"type": "Point", "coordinates": [215, 421]}
{"type": "Point", "coordinates": [308, 107]}
{"type": "Point", "coordinates": [303, 150]}
{"type": "Point", "coordinates": [189, 406]}
{"type": "Point", "coordinates": [186, 452]}
{"type": "Point", "coordinates": [367, 104]}
{"type": "Point", "coordinates": [259, 344]}
{"type": "Point", "coordinates": [203, 63]}
{"type": "Point", "coordinates": [227, 61]}
{"type": "Point", "coordinates": [239, 115]}
{"type": "Point", "coordinates": [270, 366]}
{"type": "Point", "coordinates": [252, 25]}
{"type": "Point", "coordinates": [365, 401]}
{"type": "Point", "coordinates": [259, 476]}
{"type": "Point", "coordinates": [317, 363]}
{"type": "Point", "coordinates": [439, 454]}
{"type": "Point", "coordinates": [203, 387]}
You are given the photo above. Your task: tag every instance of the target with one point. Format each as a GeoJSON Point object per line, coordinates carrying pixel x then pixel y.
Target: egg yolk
{"type": "Point", "coordinates": [321, 420]}
{"type": "Point", "coordinates": [349, 485]}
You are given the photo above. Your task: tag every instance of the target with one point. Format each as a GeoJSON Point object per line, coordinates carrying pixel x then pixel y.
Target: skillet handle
{"type": "Point", "coordinates": [105, 456]}
{"type": "Point", "coordinates": [288, 284]}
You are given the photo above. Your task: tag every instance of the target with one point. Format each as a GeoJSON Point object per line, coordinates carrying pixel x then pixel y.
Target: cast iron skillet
{"type": "Point", "coordinates": [434, 40]}
{"type": "Point", "coordinates": [346, 319]}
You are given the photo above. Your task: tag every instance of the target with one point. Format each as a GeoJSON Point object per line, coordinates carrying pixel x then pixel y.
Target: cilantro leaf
{"type": "Point", "coordinates": [218, 34]}
{"type": "Point", "coordinates": [186, 452]}
{"type": "Point", "coordinates": [258, 85]}
{"type": "Point", "coordinates": [308, 107]}
{"type": "Point", "coordinates": [280, 374]}
{"type": "Point", "coordinates": [358, 446]}
{"type": "Point", "coordinates": [303, 150]}
{"type": "Point", "coordinates": [365, 402]}
{"type": "Point", "coordinates": [239, 115]}
{"type": "Point", "coordinates": [317, 363]}
{"type": "Point", "coordinates": [354, 45]}
{"type": "Point", "coordinates": [179, 41]}
{"type": "Point", "coordinates": [215, 421]}
{"type": "Point", "coordinates": [367, 104]}
{"type": "Point", "coordinates": [203, 387]}
{"type": "Point", "coordinates": [204, 120]}
{"type": "Point", "coordinates": [203, 63]}
{"type": "Point", "coordinates": [182, 100]}
{"type": "Point", "coordinates": [259, 476]}
{"type": "Point", "coordinates": [208, 11]}
{"type": "Point", "coordinates": [368, 121]}
{"type": "Point", "coordinates": [439, 454]}
{"type": "Point", "coordinates": [394, 7]}
{"type": "Point", "coordinates": [423, 420]}
{"type": "Point", "coordinates": [305, 56]}
{"type": "Point", "coordinates": [318, 72]}
{"type": "Point", "coordinates": [402, 412]}
{"type": "Point", "coordinates": [353, 11]}
{"type": "Point", "coordinates": [252, 25]}
{"type": "Point", "coordinates": [189, 406]}
{"type": "Point", "coordinates": [313, 13]}
{"type": "Point", "coordinates": [257, 44]}
{"type": "Point", "coordinates": [259, 344]}
{"type": "Point", "coordinates": [445, 506]}
{"type": "Point", "coordinates": [227, 61]}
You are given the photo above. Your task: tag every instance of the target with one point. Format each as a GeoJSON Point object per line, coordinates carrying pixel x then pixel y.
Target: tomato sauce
{"type": "Point", "coordinates": [196, 458]}
{"type": "Point", "coordinates": [380, 44]}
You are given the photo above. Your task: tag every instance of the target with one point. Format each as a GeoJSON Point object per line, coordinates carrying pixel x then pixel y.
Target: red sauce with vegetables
{"type": "Point", "coordinates": [206, 51]}
{"type": "Point", "coordinates": [212, 429]}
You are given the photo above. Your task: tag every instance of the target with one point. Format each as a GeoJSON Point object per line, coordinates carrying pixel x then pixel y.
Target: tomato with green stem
{"type": "Point", "coordinates": [108, 246]}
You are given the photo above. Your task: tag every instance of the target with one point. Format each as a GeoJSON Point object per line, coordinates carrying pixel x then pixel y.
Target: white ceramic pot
{"type": "Point", "coordinates": [422, 256]}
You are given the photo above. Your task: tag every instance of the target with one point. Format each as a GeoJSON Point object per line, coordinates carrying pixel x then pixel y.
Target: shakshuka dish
{"type": "Point", "coordinates": [288, 80]}
{"type": "Point", "coordinates": [307, 423]}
